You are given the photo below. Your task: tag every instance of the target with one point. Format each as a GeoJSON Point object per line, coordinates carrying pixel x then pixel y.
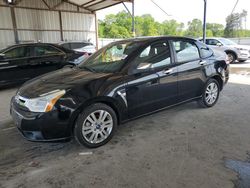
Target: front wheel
{"type": "Point", "coordinates": [231, 57]}
{"type": "Point", "coordinates": [210, 94]}
{"type": "Point", "coordinates": [96, 125]}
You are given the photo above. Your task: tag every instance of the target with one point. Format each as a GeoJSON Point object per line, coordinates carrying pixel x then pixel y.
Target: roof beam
{"type": "Point", "coordinates": [82, 5]}
{"type": "Point", "coordinates": [47, 5]}
{"type": "Point", "coordinates": [96, 3]}
{"type": "Point", "coordinates": [107, 6]}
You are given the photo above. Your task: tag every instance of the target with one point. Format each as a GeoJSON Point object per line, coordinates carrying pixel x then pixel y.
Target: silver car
{"type": "Point", "coordinates": [233, 50]}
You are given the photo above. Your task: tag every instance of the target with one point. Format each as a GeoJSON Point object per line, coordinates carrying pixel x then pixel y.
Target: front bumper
{"type": "Point", "coordinates": [40, 126]}
{"type": "Point", "coordinates": [244, 55]}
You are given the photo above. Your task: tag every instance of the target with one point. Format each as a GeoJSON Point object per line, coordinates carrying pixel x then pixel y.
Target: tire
{"type": "Point", "coordinates": [231, 57]}
{"type": "Point", "coordinates": [212, 84]}
{"type": "Point", "coordinates": [90, 130]}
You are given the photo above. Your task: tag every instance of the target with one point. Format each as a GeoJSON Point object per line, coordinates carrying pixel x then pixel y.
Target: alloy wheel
{"type": "Point", "coordinates": [230, 58]}
{"type": "Point", "coordinates": [97, 126]}
{"type": "Point", "coordinates": [211, 93]}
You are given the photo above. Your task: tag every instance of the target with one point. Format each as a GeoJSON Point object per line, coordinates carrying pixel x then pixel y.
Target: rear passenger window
{"type": "Point", "coordinates": [186, 51]}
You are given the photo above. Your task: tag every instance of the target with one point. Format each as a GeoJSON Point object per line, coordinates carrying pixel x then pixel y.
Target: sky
{"type": "Point", "coordinates": [184, 10]}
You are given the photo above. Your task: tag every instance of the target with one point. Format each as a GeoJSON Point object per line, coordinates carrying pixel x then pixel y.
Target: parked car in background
{"type": "Point", "coordinates": [122, 81]}
{"type": "Point", "coordinates": [232, 49]}
{"type": "Point", "coordinates": [22, 62]}
{"type": "Point", "coordinates": [79, 46]}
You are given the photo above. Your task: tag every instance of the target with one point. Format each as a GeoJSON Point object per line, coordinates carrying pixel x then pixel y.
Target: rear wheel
{"type": "Point", "coordinates": [96, 125]}
{"type": "Point", "coordinates": [210, 94]}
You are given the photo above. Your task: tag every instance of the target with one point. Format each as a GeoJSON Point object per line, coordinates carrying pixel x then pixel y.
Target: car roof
{"type": "Point", "coordinates": [31, 44]}
{"type": "Point", "coordinates": [150, 38]}
{"type": "Point", "coordinates": [65, 42]}
{"type": "Point", "coordinates": [35, 43]}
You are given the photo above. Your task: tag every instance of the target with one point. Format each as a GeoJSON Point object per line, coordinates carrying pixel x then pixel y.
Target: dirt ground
{"type": "Point", "coordinates": [185, 146]}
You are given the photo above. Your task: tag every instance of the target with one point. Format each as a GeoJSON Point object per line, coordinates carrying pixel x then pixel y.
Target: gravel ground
{"type": "Point", "coordinates": [185, 146]}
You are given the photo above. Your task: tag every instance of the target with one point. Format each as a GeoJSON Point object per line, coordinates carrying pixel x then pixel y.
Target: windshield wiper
{"type": "Point", "coordinates": [88, 68]}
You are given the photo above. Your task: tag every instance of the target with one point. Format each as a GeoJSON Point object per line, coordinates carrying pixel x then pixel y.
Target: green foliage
{"type": "Point", "coordinates": [120, 26]}
{"type": "Point", "coordinates": [234, 24]}
{"type": "Point", "coordinates": [194, 28]}
{"type": "Point", "coordinates": [216, 29]}
{"type": "Point", "coordinates": [172, 27]}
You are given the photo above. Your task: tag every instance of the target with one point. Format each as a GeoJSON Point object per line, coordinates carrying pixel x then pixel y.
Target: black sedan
{"type": "Point", "coordinates": [22, 62]}
{"type": "Point", "coordinates": [120, 82]}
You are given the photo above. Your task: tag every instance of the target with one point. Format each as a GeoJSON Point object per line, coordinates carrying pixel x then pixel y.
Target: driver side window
{"type": "Point", "coordinates": [18, 52]}
{"type": "Point", "coordinates": [212, 42]}
{"type": "Point", "coordinates": [157, 54]}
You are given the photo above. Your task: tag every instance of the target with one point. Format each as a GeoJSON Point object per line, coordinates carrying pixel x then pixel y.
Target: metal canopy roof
{"type": "Point", "coordinates": [94, 5]}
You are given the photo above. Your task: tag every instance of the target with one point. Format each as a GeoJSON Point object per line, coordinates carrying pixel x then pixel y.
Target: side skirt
{"type": "Point", "coordinates": [161, 109]}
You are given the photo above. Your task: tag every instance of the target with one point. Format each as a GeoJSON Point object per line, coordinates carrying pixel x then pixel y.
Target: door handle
{"type": "Point", "coordinates": [168, 71]}
{"type": "Point", "coordinates": [202, 62]}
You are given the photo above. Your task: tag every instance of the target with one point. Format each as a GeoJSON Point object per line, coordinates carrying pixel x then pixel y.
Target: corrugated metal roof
{"type": "Point", "coordinates": [94, 5]}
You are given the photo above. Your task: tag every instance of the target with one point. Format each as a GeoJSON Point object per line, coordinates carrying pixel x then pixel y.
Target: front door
{"type": "Point", "coordinates": [14, 66]}
{"type": "Point", "coordinates": [154, 83]}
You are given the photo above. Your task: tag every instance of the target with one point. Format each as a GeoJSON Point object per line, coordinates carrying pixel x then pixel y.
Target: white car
{"type": "Point", "coordinates": [79, 46]}
{"type": "Point", "coordinates": [232, 49]}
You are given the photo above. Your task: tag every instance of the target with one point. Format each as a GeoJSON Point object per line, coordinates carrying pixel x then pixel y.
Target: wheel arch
{"type": "Point", "coordinates": [218, 79]}
{"type": "Point", "coordinates": [105, 100]}
{"type": "Point", "coordinates": [232, 52]}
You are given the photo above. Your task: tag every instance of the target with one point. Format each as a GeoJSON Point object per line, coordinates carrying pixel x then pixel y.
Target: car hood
{"type": "Point", "coordinates": [65, 78]}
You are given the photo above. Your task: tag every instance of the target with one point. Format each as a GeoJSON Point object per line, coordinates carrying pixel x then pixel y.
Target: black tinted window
{"type": "Point", "coordinates": [157, 54]}
{"type": "Point", "coordinates": [186, 51]}
{"type": "Point", "coordinates": [78, 45]}
{"type": "Point", "coordinates": [45, 50]}
{"type": "Point", "coordinates": [17, 52]}
{"type": "Point", "coordinates": [66, 45]}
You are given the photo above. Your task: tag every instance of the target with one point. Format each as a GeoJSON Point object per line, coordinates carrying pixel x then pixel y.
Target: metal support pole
{"type": "Point", "coordinates": [133, 18]}
{"type": "Point", "coordinates": [205, 21]}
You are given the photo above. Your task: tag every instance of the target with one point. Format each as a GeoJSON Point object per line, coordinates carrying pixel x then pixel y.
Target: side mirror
{"type": "Point", "coordinates": [218, 44]}
{"type": "Point", "coordinates": [2, 56]}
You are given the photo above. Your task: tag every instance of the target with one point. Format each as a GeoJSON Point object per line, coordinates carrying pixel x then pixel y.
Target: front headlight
{"type": "Point", "coordinates": [45, 102]}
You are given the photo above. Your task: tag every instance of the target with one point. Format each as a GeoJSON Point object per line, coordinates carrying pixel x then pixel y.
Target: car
{"type": "Point", "coordinates": [79, 46]}
{"type": "Point", "coordinates": [21, 62]}
{"type": "Point", "coordinates": [232, 49]}
{"type": "Point", "coordinates": [122, 81]}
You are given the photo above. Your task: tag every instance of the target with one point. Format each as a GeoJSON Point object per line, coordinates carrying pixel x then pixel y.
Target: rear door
{"type": "Point", "coordinates": [14, 67]}
{"type": "Point", "coordinates": [191, 76]}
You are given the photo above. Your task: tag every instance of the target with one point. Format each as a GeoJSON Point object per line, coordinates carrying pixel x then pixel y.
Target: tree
{"type": "Point", "coordinates": [234, 24]}
{"type": "Point", "coordinates": [172, 27]}
{"type": "Point", "coordinates": [216, 29]}
{"type": "Point", "coordinates": [194, 28]}
{"type": "Point", "coordinates": [146, 26]}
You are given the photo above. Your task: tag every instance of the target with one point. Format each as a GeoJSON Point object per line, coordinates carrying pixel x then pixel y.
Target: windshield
{"type": "Point", "coordinates": [227, 42]}
{"type": "Point", "coordinates": [111, 58]}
